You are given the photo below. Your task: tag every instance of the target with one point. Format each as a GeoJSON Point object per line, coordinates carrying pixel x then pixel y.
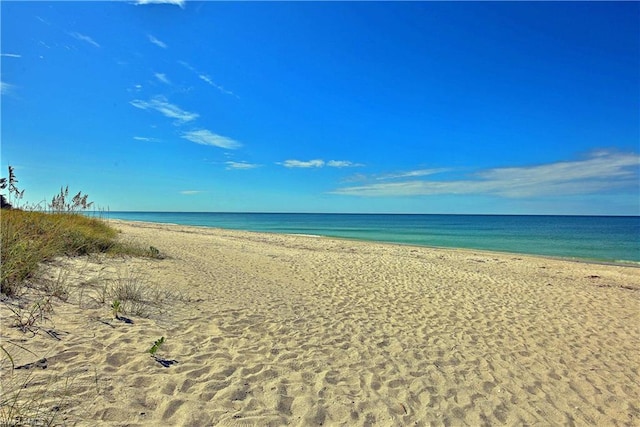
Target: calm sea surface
{"type": "Point", "coordinates": [583, 237]}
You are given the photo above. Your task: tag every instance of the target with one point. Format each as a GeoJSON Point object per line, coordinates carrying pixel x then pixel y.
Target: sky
{"type": "Point", "coordinates": [363, 107]}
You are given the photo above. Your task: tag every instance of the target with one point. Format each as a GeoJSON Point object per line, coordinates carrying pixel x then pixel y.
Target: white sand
{"type": "Point", "coordinates": [283, 329]}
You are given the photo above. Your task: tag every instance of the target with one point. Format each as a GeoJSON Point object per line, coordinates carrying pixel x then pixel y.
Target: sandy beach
{"type": "Point", "coordinates": [267, 329]}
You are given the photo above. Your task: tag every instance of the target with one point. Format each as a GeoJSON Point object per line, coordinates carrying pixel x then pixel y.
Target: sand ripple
{"type": "Point", "coordinates": [279, 330]}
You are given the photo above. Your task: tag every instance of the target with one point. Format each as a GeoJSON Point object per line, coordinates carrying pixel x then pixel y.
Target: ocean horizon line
{"type": "Point", "coordinates": [363, 213]}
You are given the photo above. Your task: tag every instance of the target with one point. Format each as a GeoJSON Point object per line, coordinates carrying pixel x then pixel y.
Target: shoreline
{"type": "Point", "coordinates": [620, 263]}
{"type": "Point", "coordinates": [273, 329]}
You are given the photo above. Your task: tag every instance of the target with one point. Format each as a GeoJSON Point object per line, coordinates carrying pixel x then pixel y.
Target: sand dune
{"type": "Point", "coordinates": [266, 329]}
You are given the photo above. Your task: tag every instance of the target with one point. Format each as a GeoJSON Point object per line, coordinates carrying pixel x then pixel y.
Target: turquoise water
{"type": "Point", "coordinates": [582, 237]}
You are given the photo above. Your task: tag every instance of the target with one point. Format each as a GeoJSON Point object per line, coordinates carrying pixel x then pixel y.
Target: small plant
{"type": "Point", "coordinates": [129, 287]}
{"type": "Point", "coordinates": [57, 287]}
{"type": "Point", "coordinates": [26, 319]}
{"type": "Point", "coordinates": [154, 349]}
{"type": "Point", "coordinates": [156, 346]}
{"type": "Point", "coordinates": [116, 308]}
{"type": "Point", "coordinates": [154, 252]}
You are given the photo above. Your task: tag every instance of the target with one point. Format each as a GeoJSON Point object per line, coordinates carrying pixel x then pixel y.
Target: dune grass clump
{"type": "Point", "coordinates": [29, 238]}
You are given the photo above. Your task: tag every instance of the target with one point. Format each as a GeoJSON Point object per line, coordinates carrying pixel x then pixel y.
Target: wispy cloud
{"type": "Point", "coordinates": [205, 78]}
{"type": "Point", "coordinates": [157, 42]}
{"type": "Point", "coordinates": [319, 163]}
{"type": "Point", "coordinates": [163, 78]}
{"type": "Point", "coordinates": [360, 177]}
{"type": "Point", "coordinates": [186, 65]}
{"type": "Point", "coordinates": [5, 88]}
{"type": "Point", "coordinates": [84, 38]}
{"type": "Point", "coordinates": [600, 172]}
{"type": "Point", "coordinates": [144, 138]}
{"type": "Point", "coordinates": [180, 3]}
{"type": "Point", "coordinates": [163, 106]}
{"type": "Point", "coordinates": [206, 137]}
{"type": "Point", "coordinates": [10, 55]}
{"type": "Point", "coordinates": [411, 174]}
{"type": "Point", "coordinates": [191, 192]}
{"type": "Point", "coordinates": [241, 165]}
{"type": "Point", "coordinates": [343, 164]}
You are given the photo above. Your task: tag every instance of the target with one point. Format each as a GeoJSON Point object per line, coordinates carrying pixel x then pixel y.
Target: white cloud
{"type": "Point", "coordinates": [343, 164]}
{"type": "Point", "coordinates": [206, 137]}
{"type": "Point", "coordinates": [240, 165]}
{"type": "Point", "coordinates": [396, 175]}
{"type": "Point", "coordinates": [11, 55]}
{"type": "Point", "coordinates": [163, 78]}
{"type": "Point", "coordinates": [5, 88]}
{"type": "Point", "coordinates": [603, 171]}
{"type": "Point", "coordinates": [191, 192]}
{"type": "Point", "coordinates": [207, 79]}
{"type": "Point", "coordinates": [84, 38]}
{"type": "Point", "coordinates": [180, 3]}
{"type": "Point", "coordinates": [162, 105]}
{"type": "Point", "coordinates": [317, 163]}
{"type": "Point", "coordinates": [358, 177]}
{"type": "Point", "coordinates": [186, 65]}
{"type": "Point", "coordinates": [144, 138]}
{"type": "Point", "coordinates": [135, 89]}
{"type": "Point", "coordinates": [412, 174]}
{"type": "Point", "coordinates": [157, 42]}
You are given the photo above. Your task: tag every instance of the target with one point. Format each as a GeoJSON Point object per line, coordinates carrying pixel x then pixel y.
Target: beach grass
{"type": "Point", "coordinates": [29, 238]}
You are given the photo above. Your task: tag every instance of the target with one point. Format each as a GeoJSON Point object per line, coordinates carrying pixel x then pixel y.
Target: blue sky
{"type": "Point", "coordinates": [413, 107]}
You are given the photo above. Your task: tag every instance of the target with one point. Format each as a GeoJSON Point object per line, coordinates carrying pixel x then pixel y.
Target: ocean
{"type": "Point", "coordinates": [595, 238]}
